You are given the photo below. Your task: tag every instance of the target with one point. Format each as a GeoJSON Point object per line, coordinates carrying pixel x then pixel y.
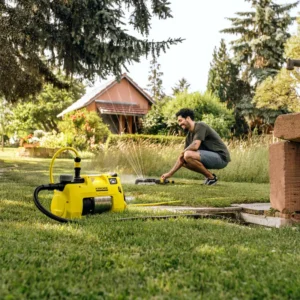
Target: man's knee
{"type": "Point", "coordinates": [190, 155]}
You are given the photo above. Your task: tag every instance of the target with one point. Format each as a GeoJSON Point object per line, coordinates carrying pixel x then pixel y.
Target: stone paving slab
{"type": "Point", "coordinates": [251, 213]}
{"type": "Point", "coordinates": [254, 208]}
{"type": "Point", "coordinates": [265, 221]}
{"type": "Point", "coordinates": [191, 209]}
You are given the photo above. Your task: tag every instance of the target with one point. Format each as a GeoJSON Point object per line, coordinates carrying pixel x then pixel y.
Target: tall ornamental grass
{"type": "Point", "coordinates": [249, 160]}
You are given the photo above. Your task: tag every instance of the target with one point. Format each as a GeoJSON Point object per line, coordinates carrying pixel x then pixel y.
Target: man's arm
{"type": "Point", "coordinates": [179, 163]}
{"type": "Point", "coordinates": [194, 146]}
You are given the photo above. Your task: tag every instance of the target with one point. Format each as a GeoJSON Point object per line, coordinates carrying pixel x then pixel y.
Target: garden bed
{"type": "Point", "coordinates": [42, 152]}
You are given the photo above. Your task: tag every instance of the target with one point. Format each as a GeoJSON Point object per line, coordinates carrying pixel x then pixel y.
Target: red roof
{"type": "Point", "coordinates": [121, 109]}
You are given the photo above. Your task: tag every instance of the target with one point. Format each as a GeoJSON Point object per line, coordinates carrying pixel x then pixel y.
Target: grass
{"type": "Point", "coordinates": [101, 258]}
{"type": "Point", "coordinates": [193, 193]}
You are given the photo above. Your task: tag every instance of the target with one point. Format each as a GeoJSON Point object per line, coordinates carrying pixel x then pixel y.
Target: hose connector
{"type": "Point", "coordinates": [77, 169]}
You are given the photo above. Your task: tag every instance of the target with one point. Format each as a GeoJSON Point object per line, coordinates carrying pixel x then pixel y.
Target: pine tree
{"type": "Point", "coordinates": [224, 82]}
{"type": "Point", "coordinates": [259, 51]}
{"type": "Point", "coordinates": [223, 78]}
{"type": "Point", "coordinates": [181, 87]}
{"type": "Point", "coordinates": [82, 38]}
{"type": "Point", "coordinates": [281, 92]}
{"type": "Point", "coordinates": [263, 33]}
{"type": "Point", "coordinates": [155, 87]}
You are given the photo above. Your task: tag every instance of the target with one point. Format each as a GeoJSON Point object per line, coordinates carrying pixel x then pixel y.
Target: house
{"type": "Point", "coordinates": [121, 104]}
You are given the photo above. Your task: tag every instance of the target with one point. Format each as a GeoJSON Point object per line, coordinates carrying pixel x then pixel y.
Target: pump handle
{"type": "Point", "coordinates": [48, 187]}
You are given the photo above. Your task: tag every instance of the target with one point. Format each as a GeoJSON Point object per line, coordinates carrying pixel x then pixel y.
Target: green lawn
{"type": "Point", "coordinates": [101, 258]}
{"type": "Point", "coordinates": [194, 193]}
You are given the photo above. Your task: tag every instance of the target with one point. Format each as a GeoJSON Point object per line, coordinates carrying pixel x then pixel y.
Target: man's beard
{"type": "Point", "coordinates": [185, 130]}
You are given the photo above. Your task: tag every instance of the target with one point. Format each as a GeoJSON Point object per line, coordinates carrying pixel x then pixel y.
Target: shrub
{"type": "Point", "coordinates": [155, 122]}
{"type": "Point", "coordinates": [84, 130]}
{"type": "Point", "coordinates": [53, 140]}
{"type": "Point", "coordinates": [207, 107]}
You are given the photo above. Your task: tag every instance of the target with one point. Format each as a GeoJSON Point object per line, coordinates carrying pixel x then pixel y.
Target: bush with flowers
{"type": "Point", "coordinates": [32, 138]}
{"type": "Point", "coordinates": [84, 130]}
{"type": "Point", "coordinates": [53, 140]}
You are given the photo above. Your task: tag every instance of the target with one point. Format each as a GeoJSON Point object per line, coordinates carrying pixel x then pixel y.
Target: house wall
{"type": "Point", "coordinates": [125, 92]}
{"type": "Point", "coordinates": [121, 92]}
{"type": "Point", "coordinates": [92, 106]}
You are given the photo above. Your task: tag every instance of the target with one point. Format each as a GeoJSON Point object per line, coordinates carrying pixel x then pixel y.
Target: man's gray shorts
{"type": "Point", "coordinates": [212, 160]}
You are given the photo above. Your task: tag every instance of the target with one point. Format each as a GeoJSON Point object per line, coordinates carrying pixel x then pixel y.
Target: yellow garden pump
{"type": "Point", "coordinates": [81, 195]}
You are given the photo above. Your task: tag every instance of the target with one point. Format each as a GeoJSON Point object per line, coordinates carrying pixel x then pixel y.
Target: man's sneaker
{"type": "Point", "coordinates": [211, 181]}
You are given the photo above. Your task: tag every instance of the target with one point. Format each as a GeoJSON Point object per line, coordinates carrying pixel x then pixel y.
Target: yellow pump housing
{"type": "Point", "coordinates": [77, 196]}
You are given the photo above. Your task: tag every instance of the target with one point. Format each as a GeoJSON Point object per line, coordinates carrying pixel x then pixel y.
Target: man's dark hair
{"type": "Point", "coordinates": [186, 112]}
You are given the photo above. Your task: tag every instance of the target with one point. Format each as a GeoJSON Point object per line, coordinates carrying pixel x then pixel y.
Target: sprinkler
{"type": "Point", "coordinates": [150, 181]}
{"type": "Point", "coordinates": [79, 195]}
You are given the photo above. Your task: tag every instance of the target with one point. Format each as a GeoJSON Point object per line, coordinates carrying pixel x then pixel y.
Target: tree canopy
{"type": "Point", "coordinates": [181, 87]}
{"type": "Point", "coordinates": [282, 91]}
{"type": "Point", "coordinates": [262, 35]}
{"type": "Point", "coordinates": [223, 78]}
{"type": "Point", "coordinates": [38, 39]}
{"type": "Point", "coordinates": [41, 112]}
{"type": "Point", "coordinates": [155, 83]}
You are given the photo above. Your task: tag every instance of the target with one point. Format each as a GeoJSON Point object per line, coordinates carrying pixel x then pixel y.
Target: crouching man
{"type": "Point", "coordinates": [204, 149]}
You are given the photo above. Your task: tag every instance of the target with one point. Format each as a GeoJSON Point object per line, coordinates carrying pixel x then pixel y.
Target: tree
{"type": "Point", "coordinates": [224, 82]}
{"type": "Point", "coordinates": [181, 87]}
{"type": "Point", "coordinates": [281, 92]}
{"type": "Point", "coordinates": [259, 51]}
{"type": "Point", "coordinates": [263, 33]}
{"type": "Point", "coordinates": [223, 78]}
{"type": "Point", "coordinates": [5, 114]}
{"type": "Point", "coordinates": [292, 46]}
{"type": "Point", "coordinates": [41, 112]}
{"type": "Point", "coordinates": [154, 86]}
{"type": "Point", "coordinates": [85, 38]}
{"type": "Point", "coordinates": [278, 93]}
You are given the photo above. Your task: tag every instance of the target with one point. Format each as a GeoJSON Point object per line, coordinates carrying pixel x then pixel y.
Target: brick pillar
{"type": "Point", "coordinates": [287, 127]}
{"type": "Point", "coordinates": [284, 171]}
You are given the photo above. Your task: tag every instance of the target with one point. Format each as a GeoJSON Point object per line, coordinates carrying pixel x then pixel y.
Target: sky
{"type": "Point", "coordinates": [199, 23]}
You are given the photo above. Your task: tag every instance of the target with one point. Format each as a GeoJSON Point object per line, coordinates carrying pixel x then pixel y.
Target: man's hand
{"type": "Point", "coordinates": [165, 176]}
{"type": "Point", "coordinates": [179, 163]}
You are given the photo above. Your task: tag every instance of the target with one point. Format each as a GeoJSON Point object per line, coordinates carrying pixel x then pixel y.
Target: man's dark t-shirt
{"type": "Point", "coordinates": [210, 140]}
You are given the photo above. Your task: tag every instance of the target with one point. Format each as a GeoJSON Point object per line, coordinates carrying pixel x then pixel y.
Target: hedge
{"type": "Point", "coordinates": [113, 139]}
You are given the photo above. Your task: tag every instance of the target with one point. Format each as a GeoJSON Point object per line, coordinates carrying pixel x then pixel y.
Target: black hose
{"type": "Point", "coordinates": [38, 204]}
